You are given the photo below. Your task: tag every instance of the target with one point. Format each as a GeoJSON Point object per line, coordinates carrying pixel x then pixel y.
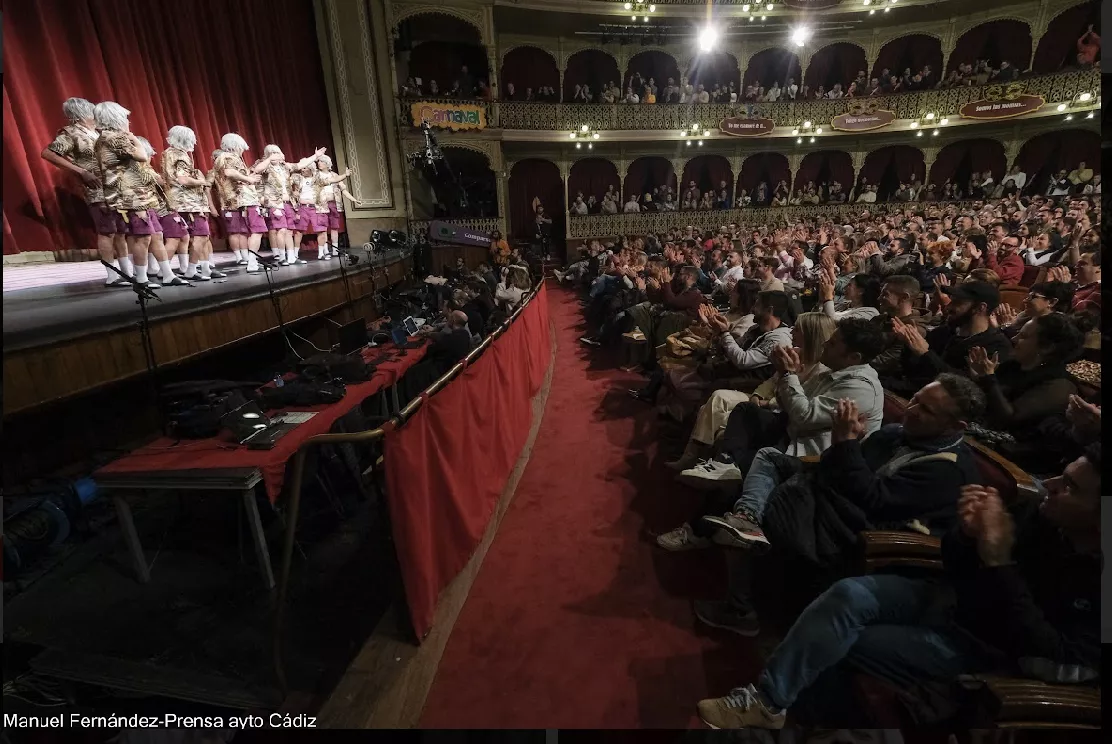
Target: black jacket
{"type": "Point", "coordinates": [948, 352]}
{"type": "Point", "coordinates": [1042, 611]}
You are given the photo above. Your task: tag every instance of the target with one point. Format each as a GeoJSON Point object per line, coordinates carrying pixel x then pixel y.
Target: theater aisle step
{"type": "Point", "coordinates": [576, 619]}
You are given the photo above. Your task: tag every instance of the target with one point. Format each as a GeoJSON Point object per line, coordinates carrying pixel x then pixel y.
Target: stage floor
{"type": "Point", "coordinates": [48, 303]}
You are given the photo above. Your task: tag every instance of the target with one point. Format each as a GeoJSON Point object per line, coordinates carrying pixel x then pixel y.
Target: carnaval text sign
{"type": "Point", "coordinates": [741, 127]}
{"type": "Point", "coordinates": [449, 115]}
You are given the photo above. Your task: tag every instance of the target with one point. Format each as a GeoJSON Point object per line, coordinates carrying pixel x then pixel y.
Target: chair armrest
{"type": "Point", "coordinates": [895, 548]}
{"type": "Point", "coordinates": [1024, 483]}
{"type": "Point", "coordinates": [1012, 702]}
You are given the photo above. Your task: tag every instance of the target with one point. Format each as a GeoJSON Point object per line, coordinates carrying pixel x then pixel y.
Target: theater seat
{"type": "Point", "coordinates": [894, 407]}
{"type": "Point", "coordinates": [1031, 275]}
{"type": "Point", "coordinates": [1014, 295]}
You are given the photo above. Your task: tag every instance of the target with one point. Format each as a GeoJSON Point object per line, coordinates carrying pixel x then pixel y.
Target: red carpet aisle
{"type": "Point", "coordinates": [576, 618]}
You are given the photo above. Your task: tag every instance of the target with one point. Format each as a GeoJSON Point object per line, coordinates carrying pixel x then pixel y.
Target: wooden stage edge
{"type": "Point", "coordinates": [43, 375]}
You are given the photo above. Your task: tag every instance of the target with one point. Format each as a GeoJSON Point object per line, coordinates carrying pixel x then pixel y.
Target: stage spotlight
{"type": "Point", "coordinates": [812, 140]}
{"type": "Point", "coordinates": [1061, 107]}
{"type": "Point", "coordinates": [700, 143]}
{"type": "Point", "coordinates": [769, 6]}
{"type": "Point", "coordinates": [1084, 97]}
{"type": "Point", "coordinates": [708, 37]}
{"type": "Point", "coordinates": [801, 35]}
{"type": "Point", "coordinates": [751, 18]}
{"type": "Point", "coordinates": [689, 143]}
{"type": "Point", "coordinates": [578, 145]}
{"type": "Point", "coordinates": [745, 8]}
{"type": "Point", "coordinates": [628, 6]}
{"type": "Point", "coordinates": [934, 133]}
{"type": "Point", "coordinates": [763, 17]}
{"type": "Point", "coordinates": [799, 141]}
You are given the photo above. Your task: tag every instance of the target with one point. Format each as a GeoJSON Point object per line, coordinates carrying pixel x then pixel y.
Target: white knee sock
{"type": "Point", "coordinates": [183, 261]}
{"type": "Point", "coordinates": [321, 248]}
{"type": "Point", "coordinates": [152, 264]}
{"type": "Point", "coordinates": [112, 275]}
{"type": "Point", "coordinates": [167, 271]}
{"type": "Point", "coordinates": [252, 262]}
{"type": "Point", "coordinates": [206, 268]}
{"type": "Point", "coordinates": [141, 274]}
{"type": "Point", "coordinates": [127, 266]}
{"type": "Point", "coordinates": [239, 254]}
{"type": "Point", "coordinates": [190, 270]}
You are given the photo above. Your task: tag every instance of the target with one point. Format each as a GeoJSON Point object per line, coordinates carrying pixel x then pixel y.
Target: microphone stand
{"type": "Point", "coordinates": [269, 264]}
{"type": "Point", "coordinates": [142, 295]}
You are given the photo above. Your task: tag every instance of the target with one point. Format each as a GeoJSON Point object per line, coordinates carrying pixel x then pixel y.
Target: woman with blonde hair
{"type": "Point", "coordinates": [514, 284]}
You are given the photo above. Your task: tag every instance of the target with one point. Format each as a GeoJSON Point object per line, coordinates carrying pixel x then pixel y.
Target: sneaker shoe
{"type": "Point", "coordinates": [709, 475]}
{"type": "Point", "coordinates": [682, 538]}
{"type": "Point", "coordinates": [241, 262]}
{"type": "Point", "coordinates": [200, 278]}
{"type": "Point", "coordinates": [738, 530]}
{"type": "Point", "coordinates": [255, 270]}
{"type": "Point", "coordinates": [217, 274]}
{"type": "Point", "coordinates": [742, 708]}
{"type": "Point", "coordinates": [589, 341]}
{"type": "Point", "coordinates": [558, 274]}
{"type": "Point", "coordinates": [301, 261]}
{"type": "Point", "coordinates": [685, 462]}
{"type": "Point", "coordinates": [722, 614]}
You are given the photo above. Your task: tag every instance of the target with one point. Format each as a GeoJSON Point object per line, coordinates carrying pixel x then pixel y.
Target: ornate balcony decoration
{"type": "Point", "coordinates": [1065, 87]}
{"type": "Point", "coordinates": [610, 225]}
{"type": "Point", "coordinates": [420, 228]}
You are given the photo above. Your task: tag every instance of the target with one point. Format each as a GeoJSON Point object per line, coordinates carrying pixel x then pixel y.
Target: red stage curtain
{"type": "Point", "coordinates": [441, 61]}
{"type": "Point", "coordinates": [826, 166]}
{"type": "Point", "coordinates": [914, 52]}
{"type": "Point", "coordinates": [646, 173]}
{"type": "Point", "coordinates": [773, 64]}
{"type": "Point", "coordinates": [530, 179]}
{"type": "Point", "coordinates": [1041, 156]}
{"type": "Point", "coordinates": [528, 67]}
{"type": "Point", "coordinates": [652, 64]}
{"type": "Point", "coordinates": [889, 166]}
{"type": "Point", "coordinates": [715, 68]}
{"type": "Point", "coordinates": [836, 63]}
{"type": "Point", "coordinates": [1058, 46]}
{"type": "Point", "coordinates": [447, 466]}
{"type": "Point", "coordinates": [959, 160]}
{"type": "Point", "coordinates": [208, 65]}
{"type": "Point", "coordinates": [708, 171]}
{"type": "Point", "coordinates": [593, 67]}
{"type": "Point", "coordinates": [995, 41]}
{"type": "Point", "coordinates": [593, 176]}
{"type": "Point", "coordinates": [770, 167]}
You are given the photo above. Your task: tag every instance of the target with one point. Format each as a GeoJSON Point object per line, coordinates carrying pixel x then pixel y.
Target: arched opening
{"type": "Point", "coordinates": [593, 177]}
{"type": "Point", "coordinates": [592, 67]}
{"type": "Point", "coordinates": [915, 52]}
{"type": "Point", "coordinates": [710, 173]}
{"type": "Point", "coordinates": [440, 50]}
{"type": "Point", "coordinates": [836, 64]}
{"type": "Point", "coordinates": [526, 68]}
{"type": "Point", "coordinates": [1043, 156]}
{"type": "Point", "coordinates": [716, 69]}
{"type": "Point", "coordinates": [652, 65]}
{"type": "Point", "coordinates": [891, 166]}
{"type": "Point", "coordinates": [768, 168]}
{"type": "Point", "coordinates": [648, 173]}
{"type": "Point", "coordinates": [1058, 46]}
{"type": "Point", "coordinates": [534, 179]}
{"type": "Point", "coordinates": [773, 65]}
{"type": "Point", "coordinates": [824, 169]}
{"type": "Point", "coordinates": [995, 41]}
{"type": "Point", "coordinates": [958, 161]}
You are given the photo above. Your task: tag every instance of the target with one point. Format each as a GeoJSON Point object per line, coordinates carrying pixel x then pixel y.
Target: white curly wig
{"type": "Point", "coordinates": [326, 160]}
{"type": "Point", "coordinates": [77, 109]}
{"type": "Point", "coordinates": [146, 146]}
{"type": "Point", "coordinates": [110, 115]}
{"type": "Point", "coordinates": [271, 150]}
{"type": "Point", "coordinates": [182, 137]}
{"type": "Point", "coordinates": [232, 142]}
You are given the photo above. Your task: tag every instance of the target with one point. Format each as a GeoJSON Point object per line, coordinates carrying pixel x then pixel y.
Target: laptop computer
{"type": "Point", "coordinates": [353, 336]}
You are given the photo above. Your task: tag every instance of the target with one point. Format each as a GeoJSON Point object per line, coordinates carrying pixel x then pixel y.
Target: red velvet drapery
{"type": "Point", "coordinates": [447, 466]}
{"type": "Point", "coordinates": [708, 172]}
{"type": "Point", "coordinates": [593, 67]}
{"type": "Point", "coordinates": [714, 68]}
{"type": "Point", "coordinates": [826, 166]}
{"type": "Point", "coordinates": [889, 166]}
{"type": "Point", "coordinates": [836, 63]}
{"type": "Point", "coordinates": [208, 65]}
{"type": "Point", "coordinates": [648, 172]}
{"type": "Point", "coordinates": [958, 160]}
{"type": "Point", "coordinates": [530, 179]}
{"type": "Point", "coordinates": [593, 176]}
{"type": "Point", "coordinates": [913, 52]}
{"type": "Point", "coordinates": [528, 67]}
{"type": "Point", "coordinates": [773, 64]}
{"type": "Point", "coordinates": [769, 167]}
{"type": "Point", "coordinates": [1042, 156]}
{"type": "Point", "coordinates": [1058, 46]}
{"type": "Point", "coordinates": [995, 41]}
{"type": "Point", "coordinates": [652, 64]}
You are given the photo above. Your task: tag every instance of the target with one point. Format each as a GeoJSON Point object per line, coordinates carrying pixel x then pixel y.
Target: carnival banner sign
{"type": "Point", "coordinates": [447, 233]}
{"type": "Point", "coordinates": [862, 121]}
{"type": "Point", "coordinates": [741, 127]}
{"type": "Point", "coordinates": [1002, 108]}
{"type": "Point", "coordinates": [452, 116]}
{"type": "Point", "coordinates": [811, 4]}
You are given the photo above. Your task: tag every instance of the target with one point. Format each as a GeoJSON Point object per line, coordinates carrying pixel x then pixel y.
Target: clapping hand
{"type": "Point", "coordinates": [980, 363]}
{"type": "Point", "coordinates": [319, 151]}
{"type": "Point", "coordinates": [910, 336]}
{"type": "Point", "coordinates": [849, 423]}
{"type": "Point", "coordinates": [973, 251]}
{"type": "Point", "coordinates": [1005, 314]}
{"type": "Point", "coordinates": [1084, 416]}
{"type": "Point", "coordinates": [826, 286]}
{"type": "Point", "coordinates": [1059, 274]}
{"type": "Point", "coordinates": [983, 517]}
{"type": "Point", "coordinates": [785, 360]}
{"type": "Point", "coordinates": [665, 275]}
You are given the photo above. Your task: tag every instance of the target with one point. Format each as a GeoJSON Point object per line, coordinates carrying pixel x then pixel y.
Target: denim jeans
{"type": "Point", "coordinates": [602, 284]}
{"type": "Point", "coordinates": [769, 468]}
{"type": "Point", "coordinates": [889, 626]}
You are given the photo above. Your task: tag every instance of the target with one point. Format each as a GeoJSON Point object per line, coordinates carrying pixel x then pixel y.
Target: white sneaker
{"type": "Point", "coordinates": [558, 274]}
{"type": "Point", "coordinates": [682, 538]}
{"type": "Point", "coordinates": [710, 475]}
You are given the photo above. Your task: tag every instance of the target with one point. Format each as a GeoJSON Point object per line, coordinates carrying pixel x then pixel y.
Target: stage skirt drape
{"type": "Point", "coordinates": [447, 466]}
{"type": "Point", "coordinates": [592, 67]}
{"type": "Point", "coordinates": [995, 41]}
{"type": "Point", "coordinates": [708, 172]}
{"type": "Point", "coordinates": [770, 65]}
{"type": "Point", "coordinates": [208, 65]}
{"type": "Point", "coordinates": [836, 63]}
{"type": "Point", "coordinates": [592, 177]}
{"type": "Point", "coordinates": [960, 160]}
{"type": "Point", "coordinates": [914, 52]}
{"type": "Point", "coordinates": [536, 179]}
{"type": "Point", "coordinates": [1058, 46]}
{"type": "Point", "coordinates": [769, 167]}
{"type": "Point", "coordinates": [646, 173]}
{"type": "Point", "coordinates": [1042, 156]}
{"type": "Point", "coordinates": [528, 67]}
{"type": "Point", "coordinates": [652, 64]}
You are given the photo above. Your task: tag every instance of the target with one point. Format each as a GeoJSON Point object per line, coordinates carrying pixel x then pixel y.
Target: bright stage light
{"type": "Point", "coordinates": [801, 35]}
{"type": "Point", "coordinates": [583, 128]}
{"type": "Point", "coordinates": [1084, 97]}
{"type": "Point", "coordinates": [769, 6]}
{"type": "Point", "coordinates": [628, 6]}
{"type": "Point", "coordinates": [1061, 107]}
{"type": "Point", "coordinates": [744, 8]}
{"type": "Point", "coordinates": [708, 37]}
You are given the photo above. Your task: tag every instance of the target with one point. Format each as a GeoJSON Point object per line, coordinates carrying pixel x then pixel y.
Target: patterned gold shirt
{"type": "Point", "coordinates": [154, 179]}
{"type": "Point", "coordinates": [234, 195]}
{"type": "Point", "coordinates": [275, 184]}
{"type": "Point", "coordinates": [127, 183]}
{"type": "Point", "coordinates": [175, 164]}
{"type": "Point", "coordinates": [325, 190]}
{"type": "Point", "coordinates": [304, 190]}
{"type": "Point", "coordinates": [77, 144]}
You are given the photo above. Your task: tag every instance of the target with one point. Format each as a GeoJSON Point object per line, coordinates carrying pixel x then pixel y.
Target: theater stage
{"type": "Point", "coordinates": [65, 333]}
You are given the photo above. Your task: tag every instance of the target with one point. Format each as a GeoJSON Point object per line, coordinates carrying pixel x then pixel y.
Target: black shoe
{"type": "Point", "coordinates": [217, 274]}
{"type": "Point", "coordinates": [118, 282]}
{"type": "Point", "coordinates": [590, 341]}
{"type": "Point", "coordinates": [177, 281]}
{"type": "Point", "coordinates": [643, 397]}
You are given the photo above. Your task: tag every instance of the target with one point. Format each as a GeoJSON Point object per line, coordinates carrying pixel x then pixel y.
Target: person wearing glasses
{"type": "Point", "coordinates": [1044, 298]}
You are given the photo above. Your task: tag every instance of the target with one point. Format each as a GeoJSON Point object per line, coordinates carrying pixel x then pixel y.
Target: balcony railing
{"type": "Point", "coordinates": [1058, 88]}
{"type": "Point", "coordinates": [483, 225]}
{"type": "Point", "coordinates": [611, 225]}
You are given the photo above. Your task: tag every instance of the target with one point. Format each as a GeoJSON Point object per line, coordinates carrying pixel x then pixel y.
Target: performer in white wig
{"type": "Point", "coordinates": [73, 150]}
{"type": "Point", "coordinates": [161, 252]}
{"type": "Point", "coordinates": [213, 194]}
{"type": "Point", "coordinates": [188, 194]}
{"type": "Point", "coordinates": [128, 188]}
{"type": "Point", "coordinates": [306, 192]}
{"type": "Point", "coordinates": [281, 217]}
{"type": "Point", "coordinates": [328, 204]}
{"type": "Point", "coordinates": [239, 198]}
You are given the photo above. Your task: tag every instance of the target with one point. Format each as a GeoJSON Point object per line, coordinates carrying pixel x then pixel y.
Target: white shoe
{"type": "Point", "coordinates": [151, 284]}
{"type": "Point", "coordinates": [682, 538]}
{"type": "Point", "coordinates": [558, 274]}
{"type": "Point", "coordinates": [253, 269]}
{"type": "Point", "coordinates": [199, 278]}
{"type": "Point", "coordinates": [709, 475]}
{"type": "Point", "coordinates": [177, 281]}
{"type": "Point", "coordinates": [214, 274]}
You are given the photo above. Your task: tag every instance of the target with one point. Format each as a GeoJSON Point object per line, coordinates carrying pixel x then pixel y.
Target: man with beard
{"type": "Point", "coordinates": [898, 260]}
{"type": "Point", "coordinates": [946, 348]}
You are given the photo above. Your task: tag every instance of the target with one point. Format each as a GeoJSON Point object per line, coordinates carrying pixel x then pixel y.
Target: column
{"type": "Point", "coordinates": [1038, 29]}
{"type": "Point", "coordinates": [858, 158]}
{"type": "Point", "coordinates": [949, 41]}
{"type": "Point", "coordinates": [794, 161]}
{"type": "Point", "coordinates": [565, 169]}
{"type": "Point", "coordinates": [678, 166]}
{"type": "Point", "coordinates": [930, 154]}
{"type": "Point", "coordinates": [736, 161]}
{"type": "Point", "coordinates": [501, 181]}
